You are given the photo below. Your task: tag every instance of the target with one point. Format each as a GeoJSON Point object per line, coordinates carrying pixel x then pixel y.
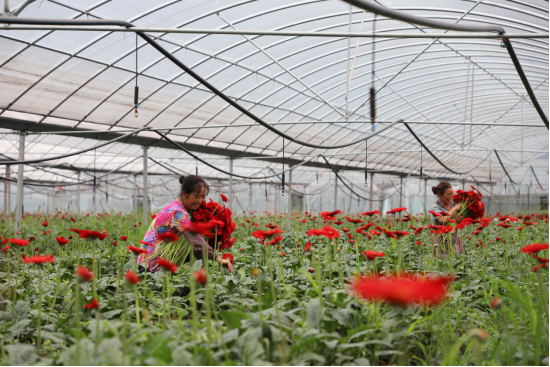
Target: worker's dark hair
{"type": "Point", "coordinates": [441, 188]}
{"type": "Point", "coordinates": [193, 184]}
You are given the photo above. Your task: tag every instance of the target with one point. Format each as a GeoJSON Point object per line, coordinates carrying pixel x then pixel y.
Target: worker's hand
{"type": "Point", "coordinates": [457, 207]}
{"type": "Point", "coordinates": [226, 264]}
{"type": "Point", "coordinates": [459, 218]}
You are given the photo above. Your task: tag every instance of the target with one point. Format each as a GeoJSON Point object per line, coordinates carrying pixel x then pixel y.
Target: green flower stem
{"type": "Point", "coordinates": [39, 321]}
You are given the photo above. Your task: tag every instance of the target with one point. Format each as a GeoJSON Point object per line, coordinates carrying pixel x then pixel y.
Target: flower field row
{"type": "Point", "coordinates": [330, 288]}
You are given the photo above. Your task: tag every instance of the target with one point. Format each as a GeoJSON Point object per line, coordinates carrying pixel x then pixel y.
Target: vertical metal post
{"type": "Point", "coordinates": [231, 184]}
{"type": "Point", "coordinates": [136, 194]}
{"type": "Point", "coordinates": [472, 100]}
{"type": "Point", "coordinates": [335, 192]}
{"type": "Point", "coordinates": [466, 105]}
{"type": "Point", "coordinates": [7, 193]}
{"type": "Point", "coordinates": [250, 198]}
{"type": "Point", "coordinates": [425, 194]}
{"type": "Point", "coordinates": [78, 193]}
{"type": "Point", "coordinates": [529, 199]}
{"type": "Point", "coordinates": [289, 209]}
{"type": "Point", "coordinates": [371, 189]}
{"type": "Point", "coordinates": [53, 200]}
{"type": "Point", "coordinates": [145, 196]}
{"type": "Point", "coordinates": [19, 199]}
{"type": "Point", "coordinates": [491, 201]}
{"type": "Point", "coordinates": [400, 193]}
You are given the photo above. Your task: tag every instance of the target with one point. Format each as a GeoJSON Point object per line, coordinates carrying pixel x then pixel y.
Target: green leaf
{"type": "Point", "coordinates": [314, 314]}
{"type": "Point", "coordinates": [232, 318]}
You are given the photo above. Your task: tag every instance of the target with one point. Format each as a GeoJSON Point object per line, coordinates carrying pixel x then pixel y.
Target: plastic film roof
{"type": "Point", "coordinates": [86, 80]}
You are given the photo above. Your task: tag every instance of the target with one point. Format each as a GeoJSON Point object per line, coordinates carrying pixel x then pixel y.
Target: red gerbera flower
{"type": "Point", "coordinates": [19, 242]}
{"type": "Point", "coordinates": [39, 260]}
{"type": "Point", "coordinates": [45, 224]}
{"type": "Point", "coordinates": [315, 232]}
{"type": "Point", "coordinates": [275, 241]}
{"type": "Point", "coordinates": [396, 210]}
{"type": "Point", "coordinates": [200, 276]}
{"type": "Point", "coordinates": [371, 213]}
{"type": "Point", "coordinates": [308, 247]}
{"type": "Point", "coordinates": [5, 249]}
{"type": "Point", "coordinates": [83, 273]}
{"type": "Point", "coordinates": [330, 232]}
{"type": "Point", "coordinates": [62, 241]}
{"type": "Point", "coordinates": [146, 243]}
{"type": "Point", "coordinates": [123, 238]}
{"type": "Point", "coordinates": [224, 198]}
{"type": "Point", "coordinates": [434, 213]}
{"type": "Point", "coordinates": [167, 265]}
{"type": "Point", "coordinates": [137, 250]}
{"type": "Point", "coordinates": [535, 247]}
{"type": "Point", "coordinates": [203, 229]}
{"type": "Point", "coordinates": [282, 254]}
{"type": "Point", "coordinates": [90, 235]}
{"type": "Point", "coordinates": [228, 256]}
{"type": "Point", "coordinates": [402, 289]}
{"type": "Point", "coordinates": [131, 277]}
{"type": "Point", "coordinates": [92, 305]}
{"type": "Point", "coordinates": [168, 237]}
{"type": "Point", "coordinates": [371, 255]}
{"type": "Point", "coordinates": [330, 215]}
{"type": "Point", "coordinates": [273, 232]}
{"type": "Point", "coordinates": [338, 222]}
{"type": "Point", "coordinates": [352, 220]}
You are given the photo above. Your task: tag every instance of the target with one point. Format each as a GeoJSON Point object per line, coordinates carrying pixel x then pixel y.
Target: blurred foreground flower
{"type": "Point", "coordinates": [402, 289]}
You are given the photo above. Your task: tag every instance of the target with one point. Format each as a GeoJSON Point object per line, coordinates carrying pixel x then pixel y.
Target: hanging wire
{"type": "Point", "coordinates": [136, 88]}
{"type": "Point", "coordinates": [372, 90]}
{"type": "Point", "coordinates": [366, 163]}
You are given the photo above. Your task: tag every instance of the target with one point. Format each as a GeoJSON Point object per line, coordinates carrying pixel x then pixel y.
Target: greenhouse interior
{"type": "Point", "coordinates": [296, 115]}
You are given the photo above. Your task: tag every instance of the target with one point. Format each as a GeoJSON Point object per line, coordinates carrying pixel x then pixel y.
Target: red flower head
{"type": "Point", "coordinates": [315, 232]}
{"type": "Point", "coordinates": [73, 220]}
{"type": "Point", "coordinates": [434, 213]}
{"type": "Point", "coordinates": [229, 256]}
{"type": "Point", "coordinates": [374, 232]}
{"type": "Point", "coordinates": [92, 305]}
{"type": "Point", "coordinates": [371, 213]}
{"type": "Point", "coordinates": [338, 222]}
{"type": "Point", "coordinates": [224, 198]}
{"type": "Point", "coordinates": [371, 255]}
{"type": "Point", "coordinates": [146, 243]}
{"type": "Point", "coordinates": [396, 210]}
{"type": "Point", "coordinates": [167, 265]}
{"type": "Point", "coordinates": [18, 242]}
{"type": "Point", "coordinates": [534, 248]}
{"type": "Point", "coordinates": [275, 241]}
{"type": "Point", "coordinates": [272, 226]}
{"type": "Point", "coordinates": [362, 228]}
{"type": "Point", "coordinates": [273, 232]}
{"type": "Point", "coordinates": [62, 241]}
{"type": "Point", "coordinates": [168, 237]}
{"type": "Point", "coordinates": [136, 250]}
{"type": "Point", "coordinates": [90, 235]}
{"type": "Point", "coordinates": [203, 229]}
{"type": "Point", "coordinates": [356, 221]}
{"type": "Point", "coordinates": [330, 215]}
{"type": "Point", "coordinates": [200, 276]}
{"type": "Point", "coordinates": [330, 233]}
{"type": "Point", "coordinates": [131, 277]}
{"type": "Point", "coordinates": [402, 289]}
{"type": "Point", "coordinates": [39, 260]}
{"type": "Point", "coordinates": [308, 246]}
{"type": "Point", "coordinates": [45, 224]}
{"type": "Point", "coordinates": [389, 233]}
{"type": "Point", "coordinates": [282, 254]}
{"type": "Point", "coordinates": [5, 249]}
{"type": "Point", "coordinates": [123, 238]}
{"type": "Point", "coordinates": [84, 274]}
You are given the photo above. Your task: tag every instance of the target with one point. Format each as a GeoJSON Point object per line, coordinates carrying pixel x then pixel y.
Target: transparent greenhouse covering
{"type": "Point", "coordinates": [462, 97]}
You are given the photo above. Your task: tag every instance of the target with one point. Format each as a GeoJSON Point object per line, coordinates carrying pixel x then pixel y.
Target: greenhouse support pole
{"type": "Point", "coordinates": [289, 206]}
{"type": "Point", "coordinates": [425, 194]}
{"type": "Point", "coordinates": [136, 194]}
{"type": "Point", "coordinates": [19, 200]}
{"type": "Point", "coordinates": [78, 193]}
{"type": "Point", "coordinates": [528, 199]}
{"type": "Point", "coordinates": [250, 198]}
{"type": "Point", "coordinates": [7, 193]}
{"type": "Point", "coordinates": [400, 194]}
{"type": "Point", "coordinates": [371, 190]}
{"type": "Point", "coordinates": [145, 196]}
{"type": "Point", "coordinates": [335, 192]}
{"type": "Point", "coordinates": [231, 184]}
